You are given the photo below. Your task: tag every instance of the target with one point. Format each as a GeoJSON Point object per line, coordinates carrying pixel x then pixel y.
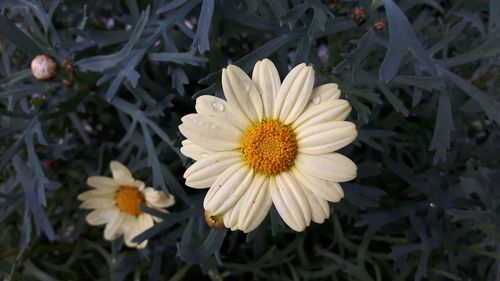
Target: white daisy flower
{"type": "Point", "coordinates": [117, 203]}
{"type": "Point", "coordinates": [269, 143]}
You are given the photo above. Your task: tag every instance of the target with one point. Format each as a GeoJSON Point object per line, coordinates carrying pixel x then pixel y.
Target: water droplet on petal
{"type": "Point", "coordinates": [196, 120]}
{"type": "Point", "coordinates": [217, 105]}
{"type": "Point", "coordinates": [203, 154]}
{"type": "Point", "coordinates": [316, 100]}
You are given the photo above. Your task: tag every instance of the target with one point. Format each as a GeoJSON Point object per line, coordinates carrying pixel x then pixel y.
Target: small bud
{"type": "Point", "coordinates": [380, 25]}
{"type": "Point", "coordinates": [68, 66]}
{"type": "Point", "coordinates": [216, 222]}
{"type": "Point", "coordinates": [43, 67]}
{"type": "Point", "coordinates": [335, 7]}
{"type": "Point", "coordinates": [47, 166]}
{"type": "Point", "coordinates": [485, 76]}
{"type": "Point", "coordinates": [358, 14]}
{"type": "Point", "coordinates": [67, 82]}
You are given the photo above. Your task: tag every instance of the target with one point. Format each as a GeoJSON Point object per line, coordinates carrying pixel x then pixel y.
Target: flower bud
{"type": "Point", "coordinates": [43, 67]}
{"type": "Point", "coordinates": [216, 222]}
{"type": "Point", "coordinates": [358, 14]}
{"type": "Point", "coordinates": [380, 24]}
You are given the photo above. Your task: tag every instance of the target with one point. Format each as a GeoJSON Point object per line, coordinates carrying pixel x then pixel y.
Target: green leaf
{"type": "Point", "coordinates": [101, 63]}
{"type": "Point", "coordinates": [179, 58]}
{"type": "Point", "coordinates": [441, 140]}
{"type": "Point", "coordinates": [490, 106]}
{"type": "Point", "coordinates": [201, 40]}
{"type": "Point", "coordinates": [16, 36]}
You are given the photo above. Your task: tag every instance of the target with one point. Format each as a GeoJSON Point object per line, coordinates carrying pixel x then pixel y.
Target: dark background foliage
{"type": "Point", "coordinates": [425, 97]}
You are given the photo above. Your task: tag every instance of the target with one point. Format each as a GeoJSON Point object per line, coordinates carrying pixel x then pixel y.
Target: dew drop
{"type": "Point", "coordinates": [217, 105]}
{"type": "Point", "coordinates": [316, 100]}
{"type": "Point", "coordinates": [203, 154]}
{"type": "Point", "coordinates": [231, 191]}
{"type": "Point", "coordinates": [196, 120]}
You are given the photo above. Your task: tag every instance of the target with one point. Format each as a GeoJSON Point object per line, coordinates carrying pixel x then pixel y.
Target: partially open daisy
{"type": "Point", "coordinates": [269, 143]}
{"type": "Point", "coordinates": [117, 203]}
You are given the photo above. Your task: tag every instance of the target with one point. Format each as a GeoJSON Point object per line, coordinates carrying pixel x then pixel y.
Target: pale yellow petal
{"type": "Point", "coordinates": [326, 137]}
{"type": "Point", "coordinates": [331, 191]}
{"type": "Point", "coordinates": [120, 172]}
{"type": "Point", "coordinates": [94, 193]}
{"type": "Point", "coordinates": [211, 132]}
{"type": "Point", "coordinates": [204, 172]}
{"type": "Point", "coordinates": [214, 106]}
{"type": "Point", "coordinates": [113, 228]}
{"type": "Point", "coordinates": [333, 167]}
{"type": "Point", "coordinates": [255, 204]}
{"type": "Point", "coordinates": [100, 216]}
{"type": "Point", "coordinates": [194, 151]}
{"type": "Point", "coordinates": [228, 189]}
{"type": "Point", "coordinates": [231, 216]}
{"type": "Point", "coordinates": [99, 182]}
{"type": "Point", "coordinates": [242, 94]}
{"type": "Point", "coordinates": [319, 207]}
{"type": "Point", "coordinates": [294, 93]}
{"type": "Point", "coordinates": [333, 110]}
{"type": "Point", "coordinates": [98, 202]}
{"type": "Point", "coordinates": [267, 79]}
{"type": "Point", "coordinates": [156, 198]}
{"type": "Point", "coordinates": [323, 93]}
{"type": "Point", "coordinates": [144, 222]}
{"type": "Point", "coordinates": [290, 202]}
{"type": "Point", "coordinates": [130, 229]}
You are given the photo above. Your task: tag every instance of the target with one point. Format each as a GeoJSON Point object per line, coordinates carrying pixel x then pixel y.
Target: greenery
{"type": "Point", "coordinates": [425, 96]}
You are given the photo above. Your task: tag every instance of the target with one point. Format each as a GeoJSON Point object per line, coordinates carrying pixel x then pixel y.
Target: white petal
{"type": "Point", "coordinates": [203, 173]}
{"type": "Point", "coordinates": [211, 132]}
{"type": "Point", "coordinates": [267, 79]}
{"type": "Point", "coordinates": [99, 182]}
{"type": "Point", "coordinates": [120, 172]}
{"type": "Point", "coordinates": [130, 230]}
{"type": "Point", "coordinates": [331, 167]}
{"type": "Point", "coordinates": [157, 198]}
{"type": "Point", "coordinates": [194, 151]}
{"type": "Point", "coordinates": [331, 191]}
{"type": "Point", "coordinates": [228, 189]}
{"type": "Point", "coordinates": [294, 93]}
{"type": "Point", "coordinates": [255, 204]}
{"type": "Point", "coordinates": [319, 207]}
{"type": "Point", "coordinates": [94, 193]}
{"type": "Point", "coordinates": [242, 94]}
{"type": "Point", "coordinates": [99, 216]}
{"type": "Point", "coordinates": [326, 137]}
{"type": "Point", "coordinates": [333, 110]}
{"type": "Point", "coordinates": [145, 222]}
{"type": "Point", "coordinates": [290, 202]}
{"type": "Point", "coordinates": [140, 185]}
{"type": "Point", "coordinates": [323, 93]}
{"type": "Point", "coordinates": [114, 226]}
{"type": "Point", "coordinates": [231, 216]}
{"type": "Point", "coordinates": [214, 106]}
{"type": "Point", "coordinates": [98, 202]}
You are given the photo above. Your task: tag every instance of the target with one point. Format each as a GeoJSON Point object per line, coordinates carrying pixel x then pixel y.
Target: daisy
{"type": "Point", "coordinates": [269, 143]}
{"type": "Point", "coordinates": [117, 203]}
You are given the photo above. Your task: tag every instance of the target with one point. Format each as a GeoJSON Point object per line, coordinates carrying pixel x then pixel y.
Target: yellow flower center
{"type": "Point", "coordinates": [269, 147]}
{"type": "Point", "coordinates": [129, 200]}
